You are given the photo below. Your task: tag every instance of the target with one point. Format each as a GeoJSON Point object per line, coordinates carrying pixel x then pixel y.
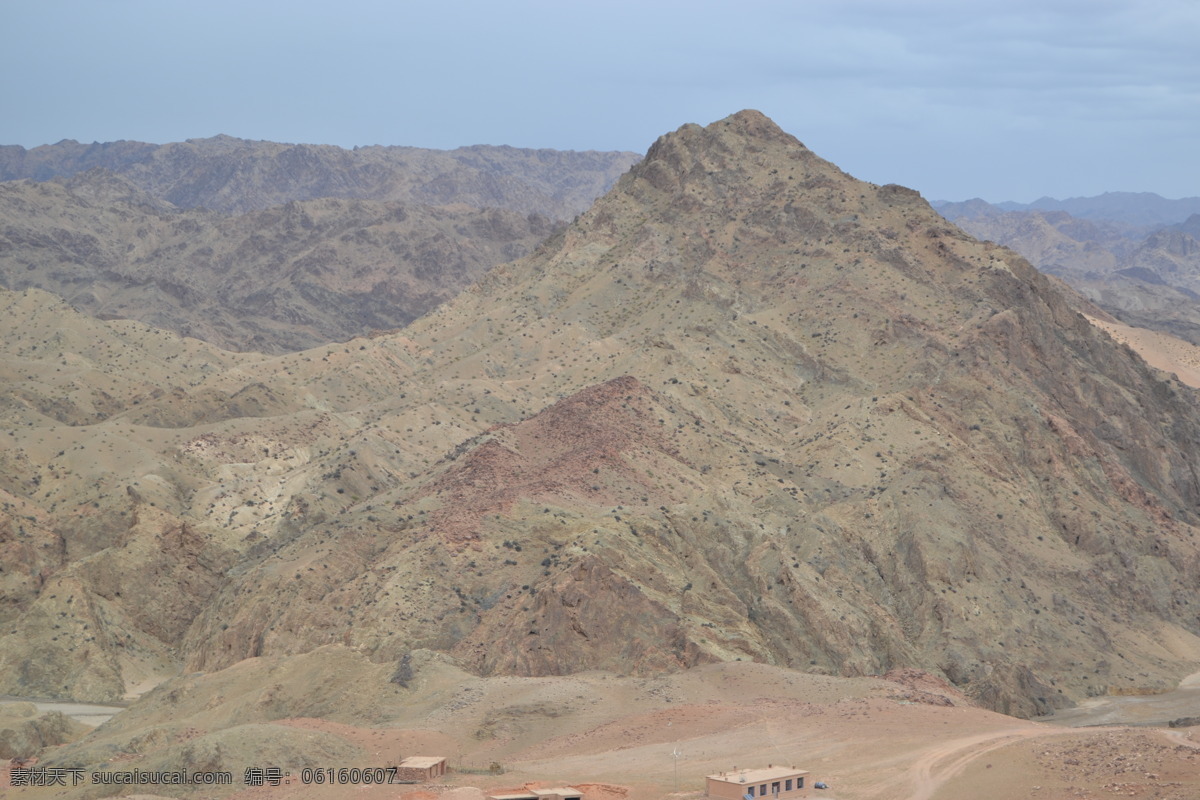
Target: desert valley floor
{"type": "Point", "coordinates": [869, 739]}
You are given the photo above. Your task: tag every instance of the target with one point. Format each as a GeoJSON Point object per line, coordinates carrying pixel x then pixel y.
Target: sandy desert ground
{"type": "Point", "coordinates": [868, 738]}
{"type": "Point", "coordinates": [1161, 350]}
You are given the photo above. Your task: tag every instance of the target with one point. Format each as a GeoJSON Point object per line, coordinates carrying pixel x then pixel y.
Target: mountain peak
{"type": "Point", "coordinates": [747, 125]}
{"type": "Point", "coordinates": [752, 123]}
{"type": "Point", "coordinates": [722, 164]}
{"type": "Point", "coordinates": [850, 368]}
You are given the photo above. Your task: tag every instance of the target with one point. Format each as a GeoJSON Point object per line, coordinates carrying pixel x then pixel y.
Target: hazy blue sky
{"type": "Point", "coordinates": [1010, 99]}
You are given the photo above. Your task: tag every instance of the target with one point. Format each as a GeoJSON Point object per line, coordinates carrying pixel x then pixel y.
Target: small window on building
{"type": "Point", "coordinates": [762, 790]}
{"type": "Point", "coordinates": [799, 783]}
{"type": "Point", "coordinates": [787, 785]}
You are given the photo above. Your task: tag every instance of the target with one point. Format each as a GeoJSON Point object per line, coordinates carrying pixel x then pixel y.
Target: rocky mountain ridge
{"type": "Point", "coordinates": [236, 176]}
{"type": "Point", "coordinates": [1137, 209]}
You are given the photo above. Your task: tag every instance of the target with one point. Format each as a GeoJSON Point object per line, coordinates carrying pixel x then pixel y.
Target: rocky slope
{"type": "Point", "coordinates": [745, 407]}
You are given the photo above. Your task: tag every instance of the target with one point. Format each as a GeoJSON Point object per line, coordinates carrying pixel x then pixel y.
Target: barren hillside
{"type": "Point", "coordinates": [744, 408]}
{"type": "Point", "coordinates": [283, 279]}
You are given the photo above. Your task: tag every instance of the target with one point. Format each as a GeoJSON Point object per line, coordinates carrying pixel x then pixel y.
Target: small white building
{"type": "Point", "coordinates": [769, 783]}
{"type": "Point", "coordinates": [553, 793]}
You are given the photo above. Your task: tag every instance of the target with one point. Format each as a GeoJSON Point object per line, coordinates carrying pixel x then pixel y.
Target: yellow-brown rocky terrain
{"type": "Point", "coordinates": [744, 408]}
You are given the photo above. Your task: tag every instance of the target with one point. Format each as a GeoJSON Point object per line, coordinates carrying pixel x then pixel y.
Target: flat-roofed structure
{"type": "Point", "coordinates": [553, 793]}
{"type": "Point", "coordinates": [421, 768]}
{"type": "Point", "coordinates": [770, 782]}
{"type": "Point", "coordinates": [559, 793]}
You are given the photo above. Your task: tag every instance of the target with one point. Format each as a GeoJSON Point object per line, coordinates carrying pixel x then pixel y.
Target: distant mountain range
{"type": "Point", "coordinates": [232, 175]}
{"type": "Point", "coordinates": [1136, 255]}
{"type": "Point", "coordinates": [273, 247]}
{"type": "Point", "coordinates": [1137, 209]}
{"type": "Point", "coordinates": [284, 278]}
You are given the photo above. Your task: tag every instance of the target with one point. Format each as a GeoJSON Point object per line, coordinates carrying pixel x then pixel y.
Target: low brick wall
{"type": "Point", "coordinates": [412, 774]}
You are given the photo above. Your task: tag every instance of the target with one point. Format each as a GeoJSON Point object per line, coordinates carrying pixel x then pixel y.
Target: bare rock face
{"type": "Point", "coordinates": [745, 407]}
{"type": "Point", "coordinates": [115, 616]}
{"type": "Point", "coordinates": [556, 454]}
